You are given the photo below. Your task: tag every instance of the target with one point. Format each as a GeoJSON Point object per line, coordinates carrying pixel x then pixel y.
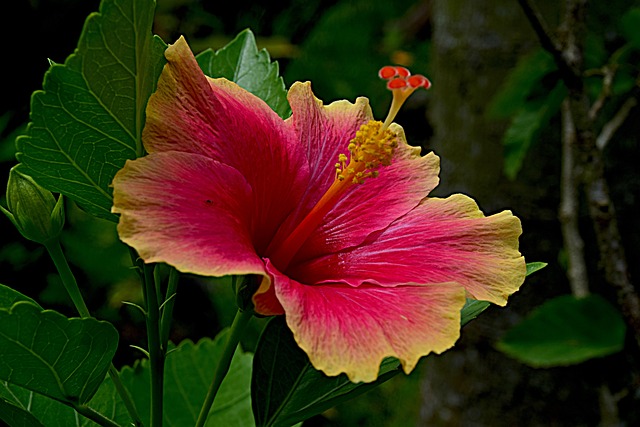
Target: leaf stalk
{"type": "Point", "coordinates": [238, 328]}
{"type": "Point", "coordinates": [71, 286]}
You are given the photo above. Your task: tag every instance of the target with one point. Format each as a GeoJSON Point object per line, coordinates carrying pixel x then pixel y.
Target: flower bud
{"type": "Point", "coordinates": [33, 209]}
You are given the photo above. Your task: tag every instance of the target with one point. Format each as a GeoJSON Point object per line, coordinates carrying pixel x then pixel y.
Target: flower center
{"type": "Point", "coordinates": [372, 147]}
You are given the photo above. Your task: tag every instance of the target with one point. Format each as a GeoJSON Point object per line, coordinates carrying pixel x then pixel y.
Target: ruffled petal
{"type": "Point", "coordinates": [188, 211]}
{"type": "Point", "coordinates": [322, 132]}
{"type": "Point", "coordinates": [376, 203]}
{"type": "Point", "coordinates": [325, 132]}
{"type": "Point", "coordinates": [216, 118]}
{"type": "Point", "coordinates": [351, 330]}
{"type": "Point", "coordinates": [441, 240]}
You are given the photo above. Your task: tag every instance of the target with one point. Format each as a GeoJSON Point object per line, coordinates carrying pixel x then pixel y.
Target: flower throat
{"type": "Point", "coordinates": [372, 147]}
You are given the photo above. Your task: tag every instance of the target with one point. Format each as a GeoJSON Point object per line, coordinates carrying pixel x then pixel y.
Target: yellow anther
{"type": "Point", "coordinates": [340, 166]}
{"type": "Point", "coordinates": [371, 148]}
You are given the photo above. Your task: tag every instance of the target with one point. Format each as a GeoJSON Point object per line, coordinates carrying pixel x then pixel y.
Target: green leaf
{"type": "Point", "coordinates": [43, 351]}
{"type": "Point", "coordinates": [188, 373]}
{"type": "Point", "coordinates": [566, 331]}
{"type": "Point", "coordinates": [287, 389]}
{"type": "Point", "coordinates": [88, 119]}
{"type": "Point", "coordinates": [521, 82]}
{"type": "Point", "coordinates": [46, 411]}
{"type": "Point", "coordinates": [472, 309]}
{"type": "Point", "coordinates": [15, 416]}
{"type": "Point", "coordinates": [525, 127]}
{"type": "Point", "coordinates": [241, 62]}
{"type": "Point", "coordinates": [107, 401]}
{"type": "Point", "coordinates": [532, 267]}
{"type": "Point", "coordinates": [51, 413]}
{"type": "Point", "coordinates": [9, 296]}
{"type": "Point", "coordinates": [630, 23]}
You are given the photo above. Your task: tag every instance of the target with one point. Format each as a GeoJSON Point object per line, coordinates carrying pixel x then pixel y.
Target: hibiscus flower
{"type": "Point", "coordinates": [329, 208]}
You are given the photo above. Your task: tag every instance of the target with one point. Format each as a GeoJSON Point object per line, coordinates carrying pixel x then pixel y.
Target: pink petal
{"type": "Point", "coordinates": [325, 132]}
{"type": "Point", "coordinates": [377, 203]}
{"type": "Point", "coordinates": [216, 118]}
{"type": "Point", "coordinates": [442, 240]}
{"type": "Point", "coordinates": [351, 330]}
{"type": "Point", "coordinates": [189, 211]}
{"type": "Point", "coordinates": [265, 301]}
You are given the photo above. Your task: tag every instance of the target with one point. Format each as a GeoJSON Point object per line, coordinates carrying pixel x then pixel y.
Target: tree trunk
{"type": "Point", "coordinates": [475, 45]}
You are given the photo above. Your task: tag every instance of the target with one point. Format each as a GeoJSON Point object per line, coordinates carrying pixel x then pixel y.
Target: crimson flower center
{"type": "Point", "coordinates": [372, 147]}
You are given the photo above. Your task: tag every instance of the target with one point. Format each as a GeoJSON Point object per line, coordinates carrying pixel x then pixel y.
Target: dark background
{"type": "Point", "coordinates": [467, 49]}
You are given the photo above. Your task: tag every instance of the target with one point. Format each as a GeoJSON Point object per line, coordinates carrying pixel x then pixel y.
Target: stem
{"type": "Point", "coordinates": [68, 279]}
{"type": "Point", "coordinates": [167, 308]}
{"type": "Point", "coordinates": [614, 124]}
{"type": "Point", "coordinates": [569, 202]}
{"type": "Point", "coordinates": [605, 93]}
{"type": "Point", "coordinates": [234, 334]}
{"type": "Point", "coordinates": [125, 396]}
{"type": "Point", "coordinates": [71, 285]}
{"type": "Point", "coordinates": [568, 71]}
{"type": "Point", "coordinates": [94, 416]}
{"type": "Point", "coordinates": [156, 352]}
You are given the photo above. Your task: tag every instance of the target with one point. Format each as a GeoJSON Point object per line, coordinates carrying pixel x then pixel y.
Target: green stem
{"type": "Point", "coordinates": [156, 352]}
{"type": "Point", "coordinates": [71, 285]}
{"type": "Point", "coordinates": [233, 337]}
{"type": "Point", "coordinates": [167, 308]}
{"type": "Point", "coordinates": [68, 279]}
{"type": "Point", "coordinates": [94, 416]}
{"type": "Point", "coordinates": [125, 396]}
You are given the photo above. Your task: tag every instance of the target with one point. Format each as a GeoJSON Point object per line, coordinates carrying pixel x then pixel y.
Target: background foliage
{"type": "Point", "coordinates": [339, 45]}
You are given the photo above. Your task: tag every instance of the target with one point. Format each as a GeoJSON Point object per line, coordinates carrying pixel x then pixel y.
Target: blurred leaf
{"type": "Point", "coordinates": [188, 373]}
{"type": "Point", "coordinates": [566, 331]}
{"type": "Point", "coordinates": [623, 82]}
{"type": "Point", "coordinates": [630, 23]}
{"type": "Point", "coordinates": [595, 52]}
{"type": "Point", "coordinates": [4, 121]}
{"type": "Point", "coordinates": [625, 77]}
{"type": "Point", "coordinates": [93, 245]}
{"type": "Point", "coordinates": [67, 359]}
{"type": "Point", "coordinates": [525, 127]}
{"type": "Point", "coordinates": [88, 119]}
{"type": "Point", "coordinates": [241, 62]}
{"type": "Point", "coordinates": [523, 80]}
{"type": "Point", "coordinates": [287, 389]}
{"type": "Point", "coordinates": [345, 49]}
{"type": "Point", "coordinates": [8, 143]}
{"type": "Point", "coordinates": [532, 267]}
{"type": "Point", "coordinates": [17, 255]}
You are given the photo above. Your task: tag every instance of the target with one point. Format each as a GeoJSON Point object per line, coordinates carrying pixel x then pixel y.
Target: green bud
{"type": "Point", "coordinates": [32, 209]}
